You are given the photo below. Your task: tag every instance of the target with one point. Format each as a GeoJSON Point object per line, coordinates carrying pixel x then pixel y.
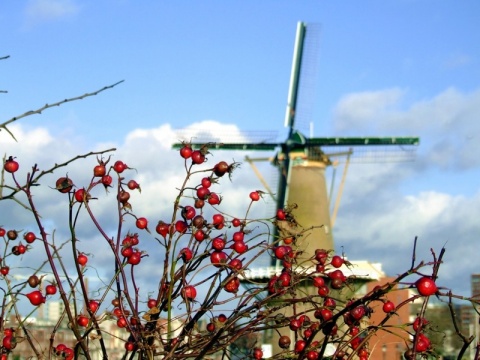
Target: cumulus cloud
{"type": "Point", "coordinates": [38, 11]}
{"type": "Point", "coordinates": [386, 205]}
{"type": "Point", "coordinates": [160, 172]}
{"type": "Point", "coordinates": [446, 123]}
{"type": "Point", "coordinates": [362, 110]}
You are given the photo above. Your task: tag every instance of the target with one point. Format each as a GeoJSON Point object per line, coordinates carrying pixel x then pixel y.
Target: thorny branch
{"type": "Point", "coordinates": [58, 103]}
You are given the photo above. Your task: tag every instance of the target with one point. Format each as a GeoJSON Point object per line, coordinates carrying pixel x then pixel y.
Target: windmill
{"type": "Point", "coordinates": [302, 160]}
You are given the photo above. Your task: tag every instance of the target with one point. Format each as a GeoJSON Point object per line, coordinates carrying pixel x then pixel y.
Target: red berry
{"type": "Point", "coordinates": [199, 235]}
{"type": "Point", "coordinates": [358, 312]}
{"type": "Point", "coordinates": [321, 256]}
{"type": "Point", "coordinates": [419, 323]}
{"type": "Point", "coordinates": [188, 212]}
{"type": "Point", "coordinates": [135, 258]}
{"type": "Point", "coordinates": [4, 270]}
{"type": "Point", "coordinates": [281, 214]}
{"type": "Point", "coordinates": [151, 303]}
{"type": "Point", "coordinates": [130, 346]}
{"type": "Point", "coordinates": [426, 286]}
{"type": "Point", "coordinates": [127, 251]}
{"type": "Point", "coordinates": [119, 166]}
{"type": "Point", "coordinates": [133, 185]}
{"type": "Point", "coordinates": [218, 243]}
{"type": "Point", "coordinates": [329, 303]}
{"type": "Point", "coordinates": [82, 320]}
{"type": "Point", "coordinates": [181, 226]}
{"type": "Point", "coordinates": [189, 292]}
{"type": "Point", "coordinates": [238, 236]}
{"type": "Point", "coordinates": [257, 353]}
{"type": "Point", "coordinates": [107, 180]}
{"type": "Point", "coordinates": [318, 281]}
{"type": "Point", "coordinates": [162, 228]}
{"type": "Point", "coordinates": [218, 258]}
{"type": "Point", "coordinates": [300, 346]}
{"type": "Point", "coordinates": [282, 251]}
{"type": "Point", "coordinates": [29, 237]}
{"type": "Point", "coordinates": [197, 157]}
{"type": "Point", "coordinates": [80, 195]}
{"type": "Point", "coordinates": [206, 182]}
{"type": "Point", "coordinates": [236, 264]}
{"type": "Point", "coordinates": [232, 285]}
{"type": "Point", "coordinates": [240, 247]}
{"type": "Point", "coordinates": [9, 342]}
{"type": "Point", "coordinates": [218, 221]}
{"type": "Point", "coordinates": [141, 223]}
{"type": "Point", "coordinates": [186, 254]}
{"type": "Point", "coordinates": [199, 203]}
{"type": "Point", "coordinates": [210, 327]}
{"type": "Point", "coordinates": [388, 307]}
{"type": "Point", "coordinates": [214, 199]}
{"type": "Point", "coordinates": [203, 193]}
{"type": "Point", "coordinates": [122, 322]}
{"type": "Point", "coordinates": [323, 291]}
{"type": "Point", "coordinates": [93, 305]}
{"type": "Point", "coordinates": [255, 195]}
{"type": "Point", "coordinates": [51, 289]}
{"type": "Point", "coordinates": [19, 249]}
{"type": "Point", "coordinates": [186, 151]}
{"type": "Point", "coordinates": [326, 314]}
{"type": "Point", "coordinates": [99, 170]}
{"type": "Point", "coordinates": [82, 259]}
{"type": "Point", "coordinates": [337, 261]}
{"type": "Point", "coordinates": [11, 165]}
{"type": "Point", "coordinates": [423, 343]}
{"type": "Point", "coordinates": [221, 168]}
{"type": "Point", "coordinates": [295, 324]}
{"type": "Point", "coordinates": [2, 232]}
{"type": "Point", "coordinates": [36, 298]}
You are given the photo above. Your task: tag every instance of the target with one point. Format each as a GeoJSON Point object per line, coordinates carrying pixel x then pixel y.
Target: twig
{"type": "Point", "coordinates": [58, 103]}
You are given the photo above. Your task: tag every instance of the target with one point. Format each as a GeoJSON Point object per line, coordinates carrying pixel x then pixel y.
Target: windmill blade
{"type": "Point", "coordinates": [295, 75]}
{"type": "Point", "coordinates": [353, 141]}
{"type": "Point", "coordinates": [301, 92]}
{"type": "Point", "coordinates": [233, 146]}
{"type": "Point", "coordinates": [233, 140]}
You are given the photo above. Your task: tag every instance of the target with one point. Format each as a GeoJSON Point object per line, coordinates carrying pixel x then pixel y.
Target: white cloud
{"type": "Point", "coordinates": [159, 170]}
{"type": "Point", "coordinates": [381, 223]}
{"type": "Point", "coordinates": [447, 123]}
{"type": "Point", "coordinates": [38, 11]}
{"type": "Point", "coordinates": [386, 205]}
{"type": "Point", "coordinates": [359, 109]}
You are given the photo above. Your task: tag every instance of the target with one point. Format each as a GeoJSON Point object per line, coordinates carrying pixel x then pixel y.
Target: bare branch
{"type": "Point", "coordinates": [58, 103]}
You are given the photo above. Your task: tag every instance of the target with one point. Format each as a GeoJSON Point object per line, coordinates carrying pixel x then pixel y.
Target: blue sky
{"type": "Point", "coordinates": [385, 69]}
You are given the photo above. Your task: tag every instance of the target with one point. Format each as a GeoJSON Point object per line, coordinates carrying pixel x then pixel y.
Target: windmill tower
{"type": "Point", "coordinates": [302, 160]}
